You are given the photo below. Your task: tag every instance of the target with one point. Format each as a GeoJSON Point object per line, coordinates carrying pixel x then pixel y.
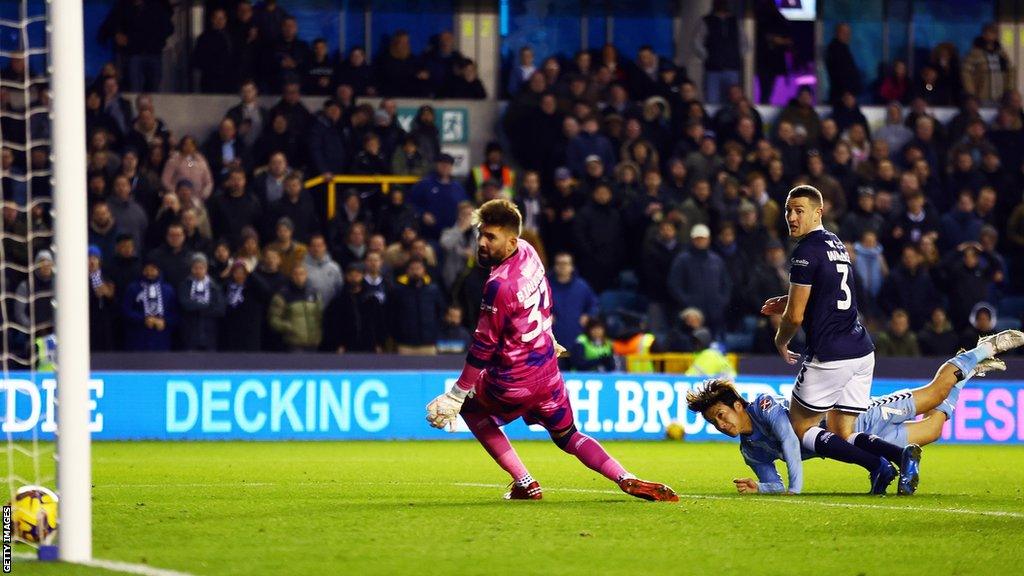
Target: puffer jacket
{"type": "Point", "coordinates": [297, 314]}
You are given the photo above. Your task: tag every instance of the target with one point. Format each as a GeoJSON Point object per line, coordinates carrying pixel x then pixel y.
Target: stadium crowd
{"type": "Point", "coordinates": [662, 224]}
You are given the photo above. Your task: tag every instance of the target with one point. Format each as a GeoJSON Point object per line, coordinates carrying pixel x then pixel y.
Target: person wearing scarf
{"type": "Point", "coordinates": [150, 310]}
{"type": "Point", "coordinates": [202, 307]}
{"type": "Point", "coordinates": [246, 300]}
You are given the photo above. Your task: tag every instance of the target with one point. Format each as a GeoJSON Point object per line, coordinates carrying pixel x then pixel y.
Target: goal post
{"type": "Point", "coordinates": [74, 461]}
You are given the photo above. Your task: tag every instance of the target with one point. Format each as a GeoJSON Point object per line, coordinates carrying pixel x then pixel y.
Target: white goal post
{"type": "Point", "coordinates": [74, 460]}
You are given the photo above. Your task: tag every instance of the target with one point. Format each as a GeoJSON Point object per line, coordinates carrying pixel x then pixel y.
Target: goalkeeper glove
{"type": "Point", "coordinates": [443, 411]}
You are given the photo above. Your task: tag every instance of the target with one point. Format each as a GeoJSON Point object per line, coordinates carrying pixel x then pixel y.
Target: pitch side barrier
{"type": "Point", "coordinates": [389, 405]}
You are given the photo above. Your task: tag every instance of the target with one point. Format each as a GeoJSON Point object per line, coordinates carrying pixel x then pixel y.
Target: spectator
{"type": "Point", "coordinates": [102, 228]}
{"type": "Point", "coordinates": [896, 84]}
{"type": "Point", "coordinates": [591, 351]}
{"type": "Point", "coordinates": [843, 74]}
{"type": "Point", "coordinates": [436, 198]}
{"type": "Point", "coordinates": [328, 153]}
{"type": "Point", "coordinates": [297, 116]}
{"type": "Point", "coordinates": [522, 71]}
{"type": "Point", "coordinates": [933, 92]}
{"type": "Point", "coordinates": [150, 310]}
{"type": "Point", "coordinates": [269, 18]}
{"type": "Point", "coordinates": [395, 216]}
{"type": "Point", "coordinates": [424, 129]}
{"type": "Point", "coordinates": [33, 301]}
{"type": "Point", "coordinates": [910, 287]}
{"type": "Point", "coordinates": [399, 72]}
{"type": "Point", "coordinates": [234, 208]}
{"type": "Point", "coordinates": [464, 84]}
{"type": "Point", "coordinates": [847, 112]}
{"type": "Point", "coordinates": [800, 113]}
{"type": "Point", "coordinates": [417, 306]}
{"type": "Point", "coordinates": [698, 277]}
{"type": "Point", "coordinates": [280, 138]}
{"type": "Point", "coordinates": [358, 74]}
{"type": "Point", "coordinates": [589, 142]}
{"type": "Point", "coordinates": [453, 337]}
{"type": "Point", "coordinates": [268, 276]}
{"type": "Point", "coordinates": [246, 41]}
{"type": "Point", "coordinates": [863, 217]}
{"type": "Point", "coordinates": [354, 321]}
{"type": "Point", "coordinates": [408, 160]}
{"type": "Point", "coordinates": [297, 314]}
{"type": "Point", "coordinates": [937, 338]}
{"type": "Point", "coordinates": [290, 54]}
{"type": "Point", "coordinates": [982, 324]}
{"type": "Point", "coordinates": [324, 274]}
{"type": "Point", "coordinates": [297, 205]}
{"type": "Point", "coordinates": [245, 300]}
{"type": "Point", "coordinates": [269, 186]}
{"type": "Point", "coordinates": [292, 252]}
{"type": "Point", "coordinates": [319, 78]}
{"type": "Point", "coordinates": [898, 340]}
{"type": "Point", "coordinates": [720, 44]}
{"type": "Point", "coordinates": [967, 279]}
{"type": "Point", "coordinates": [126, 212]}
{"type": "Point", "coordinates": [375, 279]}
{"type": "Point", "coordinates": [187, 163]}
{"type": "Point", "coordinates": [139, 30]}
{"type": "Point", "coordinates": [202, 306]}
{"type": "Point", "coordinates": [870, 266]}
{"type": "Point", "coordinates": [125, 266]}
{"type": "Point", "coordinates": [962, 224]}
{"type": "Point", "coordinates": [987, 71]}
{"type": "Point", "coordinates": [224, 151]}
{"type": "Point", "coordinates": [458, 244]}
{"type": "Point", "coordinates": [145, 131]}
{"type": "Point", "coordinates": [102, 308]}
{"type": "Point", "coordinates": [172, 257]}
{"type": "Point", "coordinates": [215, 58]}
{"type": "Point", "coordinates": [769, 276]}
{"type": "Point", "coordinates": [659, 251]}
{"type": "Point", "coordinates": [772, 41]}
{"type": "Point", "coordinates": [573, 301]}
{"type": "Point", "coordinates": [370, 160]}
{"type": "Point", "coordinates": [249, 117]}
{"type": "Point", "coordinates": [598, 238]}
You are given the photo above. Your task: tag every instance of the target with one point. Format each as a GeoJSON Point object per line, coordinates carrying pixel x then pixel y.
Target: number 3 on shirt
{"type": "Point", "coordinates": [536, 303]}
{"type": "Point", "coordinates": [844, 304]}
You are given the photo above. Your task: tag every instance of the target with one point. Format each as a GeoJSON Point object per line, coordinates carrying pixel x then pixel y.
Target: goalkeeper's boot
{"type": "Point", "coordinates": [531, 491]}
{"type": "Point", "coordinates": [910, 468]}
{"type": "Point", "coordinates": [883, 476]}
{"type": "Point", "coordinates": [1003, 341]}
{"type": "Point", "coordinates": [652, 491]}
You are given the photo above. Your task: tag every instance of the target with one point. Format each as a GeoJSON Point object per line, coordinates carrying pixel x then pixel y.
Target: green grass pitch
{"type": "Point", "coordinates": [362, 508]}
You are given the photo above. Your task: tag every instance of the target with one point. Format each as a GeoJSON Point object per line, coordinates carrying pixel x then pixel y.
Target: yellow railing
{"type": "Point", "coordinates": [385, 183]}
{"type": "Point", "coordinates": [669, 362]}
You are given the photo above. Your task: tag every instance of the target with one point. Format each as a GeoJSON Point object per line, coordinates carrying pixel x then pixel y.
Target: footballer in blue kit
{"type": "Point", "coordinates": [766, 435]}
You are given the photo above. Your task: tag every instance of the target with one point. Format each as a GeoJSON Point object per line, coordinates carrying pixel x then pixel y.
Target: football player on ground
{"type": "Point", "coordinates": [835, 379]}
{"type": "Point", "coordinates": [766, 435]}
{"type": "Point", "coordinates": [511, 369]}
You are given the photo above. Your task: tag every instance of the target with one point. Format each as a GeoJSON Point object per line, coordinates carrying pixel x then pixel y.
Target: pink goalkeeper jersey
{"type": "Point", "coordinates": [513, 340]}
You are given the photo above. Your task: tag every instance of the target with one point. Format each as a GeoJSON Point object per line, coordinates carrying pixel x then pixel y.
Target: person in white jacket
{"type": "Point", "coordinates": [324, 274]}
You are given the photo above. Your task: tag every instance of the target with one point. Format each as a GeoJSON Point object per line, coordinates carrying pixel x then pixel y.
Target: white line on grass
{"type": "Point", "coordinates": [767, 499]}
{"type": "Point", "coordinates": [116, 566]}
{"type": "Point", "coordinates": [783, 500]}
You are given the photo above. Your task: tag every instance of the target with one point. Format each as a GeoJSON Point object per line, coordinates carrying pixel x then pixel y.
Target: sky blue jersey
{"type": "Point", "coordinates": [773, 439]}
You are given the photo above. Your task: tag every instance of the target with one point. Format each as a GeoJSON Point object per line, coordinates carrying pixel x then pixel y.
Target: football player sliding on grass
{"type": "Point", "coordinates": [511, 369]}
{"type": "Point", "coordinates": [766, 434]}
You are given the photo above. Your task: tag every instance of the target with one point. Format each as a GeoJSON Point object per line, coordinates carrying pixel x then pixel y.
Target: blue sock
{"type": "Point", "coordinates": [966, 361]}
{"type": "Point", "coordinates": [949, 404]}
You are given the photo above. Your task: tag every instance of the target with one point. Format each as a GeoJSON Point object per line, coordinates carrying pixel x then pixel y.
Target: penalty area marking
{"type": "Point", "coordinates": [116, 566]}
{"type": "Point", "coordinates": [784, 500]}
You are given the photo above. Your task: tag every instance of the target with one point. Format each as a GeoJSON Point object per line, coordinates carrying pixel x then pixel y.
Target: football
{"type": "Point", "coordinates": [674, 431]}
{"type": "Point", "coordinates": [34, 513]}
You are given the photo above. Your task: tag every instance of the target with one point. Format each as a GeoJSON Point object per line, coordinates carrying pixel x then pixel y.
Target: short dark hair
{"type": "Point", "coordinates": [502, 213]}
{"type": "Point", "coordinates": [806, 191]}
{"type": "Point", "coordinates": [711, 392]}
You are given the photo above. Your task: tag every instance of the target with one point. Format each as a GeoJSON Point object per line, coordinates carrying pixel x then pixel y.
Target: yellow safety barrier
{"type": "Point", "coordinates": [385, 183]}
{"type": "Point", "coordinates": [669, 362]}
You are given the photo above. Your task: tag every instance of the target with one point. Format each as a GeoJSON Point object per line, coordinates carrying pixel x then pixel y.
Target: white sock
{"type": "Point", "coordinates": [524, 481]}
{"type": "Point", "coordinates": [626, 476]}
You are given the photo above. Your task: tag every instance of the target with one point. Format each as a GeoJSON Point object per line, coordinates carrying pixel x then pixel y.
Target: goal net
{"type": "Point", "coordinates": [44, 413]}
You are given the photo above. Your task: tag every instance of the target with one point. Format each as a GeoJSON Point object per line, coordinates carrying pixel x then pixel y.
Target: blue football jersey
{"type": "Point", "coordinates": [773, 439]}
{"type": "Point", "coordinates": [830, 321]}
